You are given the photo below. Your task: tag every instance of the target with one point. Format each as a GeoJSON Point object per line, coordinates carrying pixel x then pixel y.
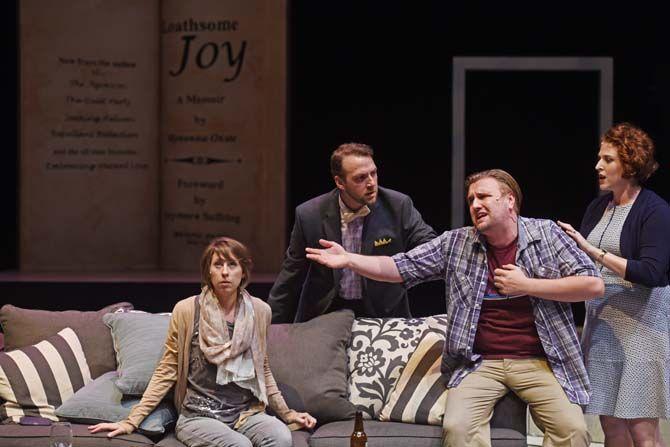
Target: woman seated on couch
{"type": "Point", "coordinates": [215, 356]}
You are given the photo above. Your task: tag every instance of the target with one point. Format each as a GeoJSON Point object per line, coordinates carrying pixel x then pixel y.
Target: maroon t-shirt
{"type": "Point", "coordinates": [506, 328]}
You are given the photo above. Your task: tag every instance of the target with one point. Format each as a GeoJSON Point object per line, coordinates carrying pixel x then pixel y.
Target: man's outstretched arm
{"type": "Point", "coordinates": [379, 268]}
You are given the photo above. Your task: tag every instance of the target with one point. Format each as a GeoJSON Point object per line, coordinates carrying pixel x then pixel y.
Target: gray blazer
{"type": "Point", "coordinates": [305, 289]}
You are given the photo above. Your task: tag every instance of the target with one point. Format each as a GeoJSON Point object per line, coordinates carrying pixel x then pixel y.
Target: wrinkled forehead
{"type": "Point", "coordinates": [486, 185]}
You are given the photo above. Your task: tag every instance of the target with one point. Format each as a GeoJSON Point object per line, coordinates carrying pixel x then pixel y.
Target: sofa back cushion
{"type": "Point", "coordinates": [379, 351]}
{"type": "Point", "coordinates": [311, 359]}
{"type": "Point", "coordinates": [24, 327]}
{"type": "Point", "coordinates": [35, 380]}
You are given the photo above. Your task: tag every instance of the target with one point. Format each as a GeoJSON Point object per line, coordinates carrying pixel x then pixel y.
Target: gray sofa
{"type": "Point", "coordinates": [312, 363]}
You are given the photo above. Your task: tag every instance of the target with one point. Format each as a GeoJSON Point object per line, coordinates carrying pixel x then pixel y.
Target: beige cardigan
{"type": "Point", "coordinates": [172, 370]}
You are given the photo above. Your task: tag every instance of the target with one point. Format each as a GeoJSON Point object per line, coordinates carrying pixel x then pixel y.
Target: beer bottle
{"type": "Point", "coordinates": [358, 437]}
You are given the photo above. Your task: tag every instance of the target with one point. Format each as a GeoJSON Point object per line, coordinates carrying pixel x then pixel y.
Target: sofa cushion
{"type": "Point", "coordinates": [101, 401]}
{"type": "Point", "coordinates": [510, 412]}
{"type": "Point", "coordinates": [300, 438]}
{"type": "Point", "coordinates": [170, 441]}
{"type": "Point", "coordinates": [398, 434]}
{"type": "Point", "coordinates": [388, 434]}
{"type": "Point", "coordinates": [36, 379]}
{"type": "Point", "coordinates": [311, 358]}
{"type": "Point", "coordinates": [420, 395]}
{"type": "Point", "coordinates": [139, 342]}
{"type": "Point", "coordinates": [24, 327]}
{"type": "Point", "coordinates": [379, 350]}
{"type": "Point", "coordinates": [14, 435]}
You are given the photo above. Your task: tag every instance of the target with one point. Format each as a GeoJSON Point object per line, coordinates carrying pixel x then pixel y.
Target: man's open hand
{"type": "Point", "coordinates": [333, 256]}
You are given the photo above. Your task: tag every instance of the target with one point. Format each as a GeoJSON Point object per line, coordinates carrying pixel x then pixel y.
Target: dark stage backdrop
{"type": "Point", "coordinates": [542, 127]}
{"type": "Point", "coordinates": [380, 73]}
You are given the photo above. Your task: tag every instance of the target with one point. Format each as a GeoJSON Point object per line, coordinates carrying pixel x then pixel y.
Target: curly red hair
{"type": "Point", "coordinates": [635, 149]}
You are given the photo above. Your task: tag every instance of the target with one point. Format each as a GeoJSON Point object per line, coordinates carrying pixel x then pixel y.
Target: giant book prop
{"type": "Point", "coordinates": [148, 128]}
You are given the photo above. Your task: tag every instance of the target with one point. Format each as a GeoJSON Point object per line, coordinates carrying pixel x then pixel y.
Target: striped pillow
{"type": "Point", "coordinates": [420, 395]}
{"type": "Point", "coordinates": [35, 380]}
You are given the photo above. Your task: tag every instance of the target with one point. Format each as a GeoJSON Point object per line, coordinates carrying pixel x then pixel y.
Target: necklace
{"type": "Point", "coordinates": [602, 235]}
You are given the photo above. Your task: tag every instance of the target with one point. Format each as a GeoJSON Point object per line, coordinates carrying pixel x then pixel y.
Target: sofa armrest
{"type": "Point", "coordinates": [510, 412]}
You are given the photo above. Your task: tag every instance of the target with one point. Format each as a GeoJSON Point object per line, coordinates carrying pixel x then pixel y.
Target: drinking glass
{"type": "Point", "coordinates": [60, 435]}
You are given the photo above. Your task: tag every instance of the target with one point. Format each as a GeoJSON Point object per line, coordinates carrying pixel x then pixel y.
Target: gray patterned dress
{"type": "Point", "coordinates": [626, 338]}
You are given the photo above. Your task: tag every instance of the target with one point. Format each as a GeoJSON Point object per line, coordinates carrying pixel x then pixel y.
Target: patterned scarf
{"type": "Point", "coordinates": [233, 357]}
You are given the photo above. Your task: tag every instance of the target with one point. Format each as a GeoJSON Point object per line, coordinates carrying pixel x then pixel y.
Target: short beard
{"type": "Point", "coordinates": [366, 201]}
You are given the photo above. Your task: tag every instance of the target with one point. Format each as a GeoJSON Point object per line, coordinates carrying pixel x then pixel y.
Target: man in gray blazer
{"type": "Point", "coordinates": [364, 218]}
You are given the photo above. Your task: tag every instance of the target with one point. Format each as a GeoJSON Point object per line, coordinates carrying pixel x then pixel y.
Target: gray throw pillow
{"type": "Point", "coordinates": [139, 342]}
{"type": "Point", "coordinates": [102, 401]}
{"type": "Point", "coordinates": [311, 359]}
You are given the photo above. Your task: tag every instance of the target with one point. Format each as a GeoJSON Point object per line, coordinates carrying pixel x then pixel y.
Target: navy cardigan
{"type": "Point", "coordinates": [645, 237]}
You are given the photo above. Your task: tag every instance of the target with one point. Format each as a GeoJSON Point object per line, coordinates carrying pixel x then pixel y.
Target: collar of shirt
{"type": "Point", "coordinates": [526, 234]}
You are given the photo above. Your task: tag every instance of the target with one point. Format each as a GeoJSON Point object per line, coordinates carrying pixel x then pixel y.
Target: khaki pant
{"type": "Point", "coordinates": [470, 405]}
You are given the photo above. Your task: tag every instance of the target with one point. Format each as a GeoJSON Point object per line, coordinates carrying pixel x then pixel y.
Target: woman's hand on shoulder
{"type": "Point", "coordinates": [305, 420]}
{"type": "Point", "coordinates": [114, 428]}
{"type": "Point", "coordinates": [574, 234]}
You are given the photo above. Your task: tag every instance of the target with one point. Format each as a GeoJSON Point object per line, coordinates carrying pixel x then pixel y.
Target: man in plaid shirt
{"type": "Point", "coordinates": [509, 282]}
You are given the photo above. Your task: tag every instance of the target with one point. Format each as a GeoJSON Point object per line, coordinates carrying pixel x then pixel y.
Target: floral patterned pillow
{"type": "Point", "coordinates": [379, 351]}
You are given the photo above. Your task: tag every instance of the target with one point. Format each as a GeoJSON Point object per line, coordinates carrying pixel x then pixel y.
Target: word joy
{"type": "Point", "coordinates": [211, 53]}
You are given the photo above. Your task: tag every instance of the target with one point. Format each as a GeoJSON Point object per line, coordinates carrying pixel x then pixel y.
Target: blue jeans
{"type": "Point", "coordinates": [259, 430]}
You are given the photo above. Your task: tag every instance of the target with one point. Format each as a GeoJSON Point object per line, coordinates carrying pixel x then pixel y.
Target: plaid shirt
{"type": "Point", "coordinates": [459, 258]}
{"type": "Point", "coordinates": [350, 282]}
{"type": "Point", "coordinates": [351, 287]}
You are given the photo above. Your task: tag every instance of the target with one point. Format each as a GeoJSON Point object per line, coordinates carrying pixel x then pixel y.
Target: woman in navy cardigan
{"type": "Point", "coordinates": [626, 336]}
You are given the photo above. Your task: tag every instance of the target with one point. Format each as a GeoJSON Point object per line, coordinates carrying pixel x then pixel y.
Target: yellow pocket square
{"type": "Point", "coordinates": [382, 241]}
